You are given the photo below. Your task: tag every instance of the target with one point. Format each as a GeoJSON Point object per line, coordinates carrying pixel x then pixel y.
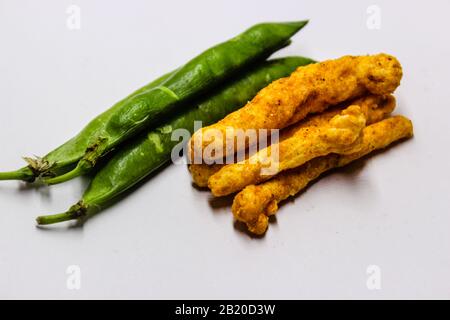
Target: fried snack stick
{"type": "Point", "coordinates": [202, 172]}
{"type": "Point", "coordinates": [309, 89]}
{"type": "Point", "coordinates": [375, 108]}
{"type": "Point", "coordinates": [340, 135]}
{"type": "Point", "coordinates": [256, 203]}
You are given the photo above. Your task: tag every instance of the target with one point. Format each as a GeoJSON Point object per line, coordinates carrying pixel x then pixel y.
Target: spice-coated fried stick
{"type": "Point", "coordinates": [375, 108]}
{"type": "Point", "coordinates": [309, 89]}
{"type": "Point", "coordinates": [340, 135]}
{"type": "Point", "coordinates": [202, 172]}
{"type": "Point", "coordinates": [256, 203]}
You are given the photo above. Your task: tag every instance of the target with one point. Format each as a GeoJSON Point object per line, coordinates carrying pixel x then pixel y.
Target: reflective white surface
{"type": "Point", "coordinates": [169, 240]}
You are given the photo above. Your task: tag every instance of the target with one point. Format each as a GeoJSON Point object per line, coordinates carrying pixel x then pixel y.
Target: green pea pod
{"type": "Point", "coordinates": [65, 157]}
{"type": "Point", "coordinates": [144, 155]}
{"type": "Point", "coordinates": [202, 73]}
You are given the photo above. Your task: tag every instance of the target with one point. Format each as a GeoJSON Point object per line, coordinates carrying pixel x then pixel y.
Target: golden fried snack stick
{"type": "Point", "coordinates": [309, 89]}
{"type": "Point", "coordinates": [255, 203]}
{"type": "Point", "coordinates": [340, 135]}
{"type": "Point", "coordinates": [375, 108]}
{"type": "Point", "coordinates": [202, 172]}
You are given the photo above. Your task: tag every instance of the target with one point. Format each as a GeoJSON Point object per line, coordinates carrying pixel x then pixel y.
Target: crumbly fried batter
{"type": "Point", "coordinates": [375, 108]}
{"type": "Point", "coordinates": [201, 172]}
{"type": "Point", "coordinates": [342, 133]}
{"type": "Point", "coordinates": [309, 89]}
{"type": "Point", "coordinates": [256, 203]}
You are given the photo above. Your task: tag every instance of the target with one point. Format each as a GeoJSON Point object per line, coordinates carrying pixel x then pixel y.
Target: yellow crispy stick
{"type": "Point", "coordinates": [339, 135]}
{"type": "Point", "coordinates": [375, 108]}
{"type": "Point", "coordinates": [255, 203]}
{"type": "Point", "coordinates": [309, 89]}
{"type": "Point", "coordinates": [202, 172]}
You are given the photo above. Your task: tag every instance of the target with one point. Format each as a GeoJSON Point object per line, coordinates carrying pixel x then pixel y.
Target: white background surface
{"type": "Point", "coordinates": [166, 240]}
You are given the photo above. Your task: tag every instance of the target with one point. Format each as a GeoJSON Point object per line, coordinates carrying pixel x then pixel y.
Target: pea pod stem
{"type": "Point", "coordinates": [65, 177]}
{"type": "Point", "coordinates": [55, 218]}
{"type": "Point", "coordinates": [82, 168]}
{"type": "Point", "coordinates": [21, 174]}
{"type": "Point", "coordinates": [75, 212]}
{"type": "Point", "coordinates": [11, 175]}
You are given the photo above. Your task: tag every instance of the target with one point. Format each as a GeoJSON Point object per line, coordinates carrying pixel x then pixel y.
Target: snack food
{"type": "Point", "coordinates": [374, 107]}
{"type": "Point", "coordinates": [256, 203]}
{"type": "Point", "coordinates": [340, 135]}
{"type": "Point", "coordinates": [309, 89]}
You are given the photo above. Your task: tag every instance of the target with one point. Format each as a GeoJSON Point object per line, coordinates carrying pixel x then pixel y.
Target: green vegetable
{"type": "Point", "coordinates": [150, 151]}
{"type": "Point", "coordinates": [202, 73]}
{"type": "Point", "coordinates": [63, 158]}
